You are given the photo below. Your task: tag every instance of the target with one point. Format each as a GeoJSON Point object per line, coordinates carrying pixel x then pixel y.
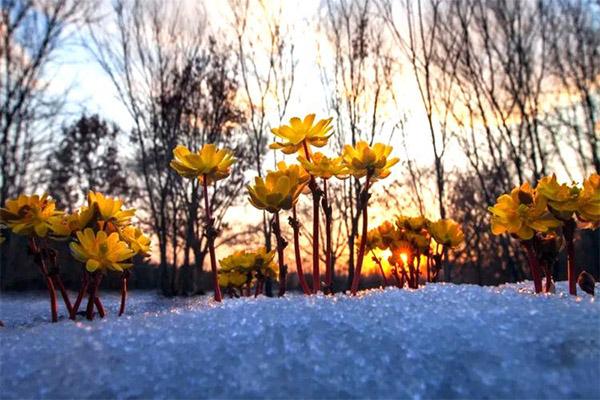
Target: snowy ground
{"type": "Point", "coordinates": [440, 341]}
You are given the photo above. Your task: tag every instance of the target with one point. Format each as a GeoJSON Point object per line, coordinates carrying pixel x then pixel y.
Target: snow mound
{"type": "Point", "coordinates": [444, 340]}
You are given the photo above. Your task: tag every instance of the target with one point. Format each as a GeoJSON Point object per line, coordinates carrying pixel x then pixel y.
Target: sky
{"type": "Point", "coordinates": [91, 90]}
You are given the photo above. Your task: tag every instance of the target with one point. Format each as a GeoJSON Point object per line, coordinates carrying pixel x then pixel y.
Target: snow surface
{"type": "Point", "coordinates": [443, 340]}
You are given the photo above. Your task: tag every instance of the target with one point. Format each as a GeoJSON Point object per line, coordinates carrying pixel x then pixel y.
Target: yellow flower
{"type": "Point", "coordinates": [387, 235]}
{"type": "Point", "coordinates": [27, 215]}
{"type": "Point", "coordinates": [562, 198]}
{"type": "Point", "coordinates": [137, 240]}
{"type": "Point", "coordinates": [415, 224]}
{"type": "Point", "coordinates": [63, 226]}
{"type": "Point", "coordinates": [373, 240]}
{"type": "Point", "coordinates": [232, 278]}
{"type": "Point", "coordinates": [259, 262]}
{"type": "Point", "coordinates": [447, 232]}
{"type": "Point", "coordinates": [109, 210]}
{"type": "Point", "coordinates": [210, 162]}
{"type": "Point", "coordinates": [363, 160]}
{"type": "Point", "coordinates": [588, 203]}
{"type": "Point", "coordinates": [101, 251]}
{"type": "Point", "coordinates": [238, 261]}
{"type": "Point", "coordinates": [300, 132]}
{"type": "Point", "coordinates": [280, 189]}
{"type": "Point", "coordinates": [522, 213]}
{"type": "Point", "coordinates": [324, 167]}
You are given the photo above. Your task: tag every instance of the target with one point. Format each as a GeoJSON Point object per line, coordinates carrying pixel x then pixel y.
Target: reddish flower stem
{"type": "Point", "coordinates": [378, 262]}
{"type": "Point", "coordinates": [210, 236]}
{"type": "Point", "coordinates": [411, 270]}
{"type": "Point", "coordinates": [428, 269]}
{"type": "Point", "coordinates": [569, 235]}
{"type": "Point", "coordinates": [53, 271]}
{"type": "Point", "coordinates": [363, 238]}
{"type": "Point", "coordinates": [93, 299]}
{"type": "Point", "coordinates": [404, 278]}
{"type": "Point", "coordinates": [124, 279]}
{"type": "Point", "coordinates": [316, 286]}
{"type": "Point", "coordinates": [89, 311]}
{"type": "Point", "coordinates": [61, 287]}
{"type": "Point", "coordinates": [280, 255]}
{"type": "Point", "coordinates": [296, 228]}
{"type": "Point", "coordinates": [546, 270]}
{"type": "Point", "coordinates": [397, 278]}
{"type": "Point", "coordinates": [328, 246]}
{"type": "Point", "coordinates": [533, 265]}
{"type": "Point", "coordinates": [418, 271]}
{"type": "Point", "coordinates": [40, 260]}
{"type": "Point", "coordinates": [82, 290]}
{"type": "Point", "coordinates": [256, 289]}
{"type": "Point", "coordinates": [99, 307]}
{"type": "Point", "coordinates": [52, 293]}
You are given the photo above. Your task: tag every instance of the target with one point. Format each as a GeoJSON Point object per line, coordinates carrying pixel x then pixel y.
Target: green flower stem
{"type": "Point", "coordinates": [124, 278]}
{"type": "Point", "coordinates": [533, 265]}
{"type": "Point", "coordinates": [210, 236]}
{"type": "Point", "coordinates": [296, 228]}
{"type": "Point", "coordinates": [363, 238]}
{"type": "Point", "coordinates": [569, 235]}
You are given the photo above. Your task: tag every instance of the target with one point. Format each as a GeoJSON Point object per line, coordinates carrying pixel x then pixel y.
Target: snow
{"type": "Point", "coordinates": [444, 340]}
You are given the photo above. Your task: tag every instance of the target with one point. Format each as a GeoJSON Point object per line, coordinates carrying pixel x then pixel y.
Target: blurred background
{"type": "Point", "coordinates": [476, 96]}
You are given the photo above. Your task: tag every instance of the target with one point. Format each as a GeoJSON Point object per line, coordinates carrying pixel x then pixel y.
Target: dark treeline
{"type": "Point", "coordinates": [508, 92]}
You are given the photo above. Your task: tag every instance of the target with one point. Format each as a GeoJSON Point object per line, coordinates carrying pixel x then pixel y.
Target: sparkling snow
{"type": "Point", "coordinates": [439, 341]}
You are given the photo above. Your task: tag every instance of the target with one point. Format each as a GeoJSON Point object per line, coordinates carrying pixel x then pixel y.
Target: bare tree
{"type": "Point", "coordinates": [32, 32]}
{"type": "Point", "coordinates": [575, 66]}
{"type": "Point", "coordinates": [267, 65]}
{"type": "Point", "coordinates": [358, 83]}
{"type": "Point", "coordinates": [178, 88]}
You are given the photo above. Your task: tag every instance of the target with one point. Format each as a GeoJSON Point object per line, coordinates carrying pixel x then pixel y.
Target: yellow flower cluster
{"type": "Point", "coordinates": [527, 210]}
{"type": "Point", "coordinates": [244, 268]}
{"type": "Point", "coordinates": [414, 236]}
{"type": "Point", "coordinates": [324, 167]}
{"type": "Point", "coordinates": [280, 189]}
{"type": "Point", "coordinates": [29, 215]}
{"type": "Point", "coordinates": [410, 238]}
{"type": "Point", "coordinates": [536, 215]}
{"type": "Point", "coordinates": [105, 238]}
